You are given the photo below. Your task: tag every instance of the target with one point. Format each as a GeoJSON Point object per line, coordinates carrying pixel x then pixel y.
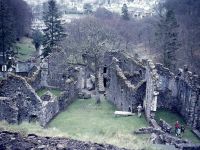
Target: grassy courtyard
{"type": "Point", "coordinates": [55, 92]}
{"type": "Point", "coordinates": [171, 118]}
{"type": "Point", "coordinates": [84, 120]}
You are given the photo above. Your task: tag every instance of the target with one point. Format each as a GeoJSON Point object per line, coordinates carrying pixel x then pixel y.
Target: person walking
{"type": "Point", "coordinates": [177, 126]}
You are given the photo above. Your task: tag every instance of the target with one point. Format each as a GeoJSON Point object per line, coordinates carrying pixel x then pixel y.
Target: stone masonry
{"type": "Point", "coordinates": [131, 82]}
{"type": "Point", "coordinates": [125, 87]}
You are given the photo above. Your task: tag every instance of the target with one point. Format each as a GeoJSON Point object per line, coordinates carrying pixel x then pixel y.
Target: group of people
{"type": "Point", "coordinates": [179, 129]}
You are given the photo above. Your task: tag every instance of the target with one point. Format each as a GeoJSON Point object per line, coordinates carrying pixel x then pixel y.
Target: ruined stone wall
{"type": "Point", "coordinates": [162, 89]}
{"type": "Point", "coordinates": [180, 93]}
{"type": "Point", "coordinates": [19, 102]}
{"type": "Point", "coordinates": [150, 101]}
{"type": "Point", "coordinates": [24, 98]}
{"type": "Point", "coordinates": [126, 63]}
{"type": "Point", "coordinates": [120, 91]}
{"type": "Point", "coordinates": [68, 96]}
{"type": "Point", "coordinates": [9, 106]}
{"type": "Point", "coordinates": [48, 111]}
{"type": "Point", "coordinates": [34, 78]}
{"type": "Point", "coordinates": [57, 72]}
{"type": "Point", "coordinates": [55, 105]}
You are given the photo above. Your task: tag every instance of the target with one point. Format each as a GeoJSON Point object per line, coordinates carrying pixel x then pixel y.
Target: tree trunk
{"type": "Point", "coordinates": [97, 95]}
{"type": "Point", "coordinates": [85, 77]}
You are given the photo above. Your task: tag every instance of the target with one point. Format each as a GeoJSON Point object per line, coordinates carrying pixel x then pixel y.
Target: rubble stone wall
{"type": "Point", "coordinates": [9, 106]}
{"type": "Point", "coordinates": [180, 93]}
{"type": "Point", "coordinates": [48, 111]}
{"type": "Point", "coordinates": [57, 72]}
{"type": "Point", "coordinates": [24, 98]}
{"type": "Point", "coordinates": [150, 101]}
{"type": "Point", "coordinates": [157, 88]}
{"type": "Point", "coordinates": [19, 101]}
{"type": "Point", "coordinates": [121, 91]}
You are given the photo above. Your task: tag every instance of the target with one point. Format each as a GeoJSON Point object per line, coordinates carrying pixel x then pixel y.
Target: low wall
{"type": "Point", "coordinates": [48, 111]}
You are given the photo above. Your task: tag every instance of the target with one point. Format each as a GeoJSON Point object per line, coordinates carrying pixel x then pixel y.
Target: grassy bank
{"type": "Point", "coordinates": [171, 118]}
{"type": "Point", "coordinates": [26, 49]}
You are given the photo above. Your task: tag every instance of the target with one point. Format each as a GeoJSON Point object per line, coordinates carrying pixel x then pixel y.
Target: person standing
{"type": "Point", "coordinates": [177, 126]}
{"type": "Point", "coordinates": [129, 108]}
{"type": "Point", "coordinates": [139, 108]}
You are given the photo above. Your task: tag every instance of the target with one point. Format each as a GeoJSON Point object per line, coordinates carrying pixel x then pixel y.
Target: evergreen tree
{"type": "Point", "coordinates": [54, 32]}
{"type": "Point", "coordinates": [168, 37]}
{"type": "Point", "coordinates": [37, 39]}
{"type": "Point", "coordinates": [125, 14]}
{"type": "Point", "coordinates": [7, 32]}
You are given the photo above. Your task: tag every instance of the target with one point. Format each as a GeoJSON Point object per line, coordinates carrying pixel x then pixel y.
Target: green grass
{"type": "Point", "coordinates": [25, 49]}
{"type": "Point", "coordinates": [55, 92]}
{"type": "Point", "coordinates": [84, 120]}
{"type": "Point", "coordinates": [27, 128]}
{"type": "Point", "coordinates": [171, 118]}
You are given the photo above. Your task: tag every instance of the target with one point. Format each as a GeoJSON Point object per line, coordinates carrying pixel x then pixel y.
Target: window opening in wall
{"type": "Point", "coordinates": [105, 82]}
{"type": "Point", "coordinates": [140, 72]}
{"type": "Point", "coordinates": [105, 70]}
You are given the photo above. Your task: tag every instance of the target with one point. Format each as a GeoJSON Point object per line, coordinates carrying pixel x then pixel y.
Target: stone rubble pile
{"type": "Point", "coordinates": [15, 141]}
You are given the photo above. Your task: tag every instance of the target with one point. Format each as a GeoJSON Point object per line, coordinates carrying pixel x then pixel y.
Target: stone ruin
{"type": "Point", "coordinates": [20, 102]}
{"type": "Point", "coordinates": [125, 81]}
{"type": "Point", "coordinates": [128, 82]}
{"type": "Point", "coordinates": [131, 82]}
{"type": "Point", "coordinates": [16, 141]}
